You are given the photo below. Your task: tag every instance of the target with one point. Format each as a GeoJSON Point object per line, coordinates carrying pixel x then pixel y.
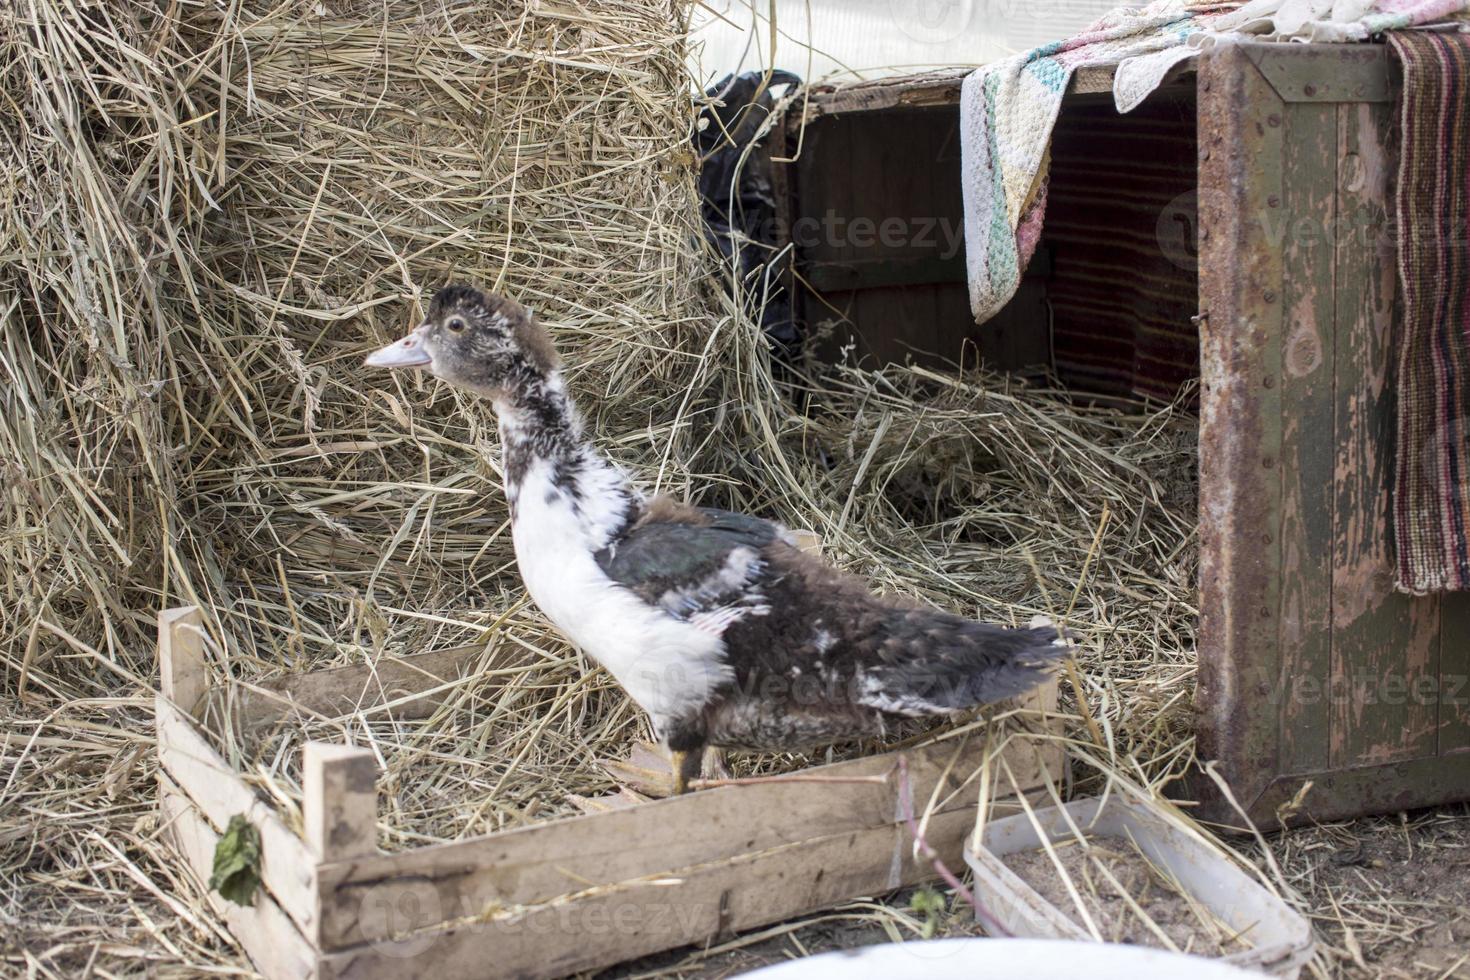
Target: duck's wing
{"type": "Point", "coordinates": [709, 567]}
{"type": "Point", "coordinates": [778, 608]}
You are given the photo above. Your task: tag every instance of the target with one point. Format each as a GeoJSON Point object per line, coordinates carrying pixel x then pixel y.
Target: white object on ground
{"type": "Point", "coordinates": [1281, 939]}
{"type": "Point", "coordinates": [973, 959]}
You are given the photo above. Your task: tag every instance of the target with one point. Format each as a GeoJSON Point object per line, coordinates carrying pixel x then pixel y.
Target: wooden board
{"type": "Point", "coordinates": [1454, 674]}
{"type": "Point", "coordinates": [877, 221]}
{"type": "Point", "coordinates": [940, 88]}
{"type": "Point", "coordinates": [1385, 644]}
{"type": "Point", "coordinates": [612, 925]}
{"type": "Point", "coordinates": [263, 930]}
{"type": "Point", "coordinates": [539, 863]}
{"type": "Point", "coordinates": [1241, 278]}
{"type": "Point", "coordinates": [409, 687]}
{"type": "Point", "coordinates": [1306, 373]}
{"type": "Point", "coordinates": [288, 868]}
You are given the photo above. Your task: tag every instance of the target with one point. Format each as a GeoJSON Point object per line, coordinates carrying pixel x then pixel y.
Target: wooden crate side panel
{"type": "Point", "coordinates": [263, 930]}
{"type": "Point", "coordinates": [1394, 692]}
{"type": "Point", "coordinates": [538, 863]}
{"type": "Point", "coordinates": [409, 687]}
{"type": "Point", "coordinates": [610, 926]}
{"type": "Point", "coordinates": [1240, 147]}
{"type": "Point", "coordinates": [1302, 219]}
{"type": "Point", "coordinates": [1385, 643]}
{"type": "Point", "coordinates": [288, 869]}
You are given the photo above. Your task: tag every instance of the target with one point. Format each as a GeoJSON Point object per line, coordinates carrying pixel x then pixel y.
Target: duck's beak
{"type": "Point", "coordinates": [408, 352]}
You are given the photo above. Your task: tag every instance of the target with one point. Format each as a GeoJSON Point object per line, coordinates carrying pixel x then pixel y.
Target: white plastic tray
{"type": "Point", "coordinates": [1282, 939]}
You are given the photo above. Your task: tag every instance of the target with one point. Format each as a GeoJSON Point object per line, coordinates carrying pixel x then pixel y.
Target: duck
{"type": "Point", "coordinates": [716, 623]}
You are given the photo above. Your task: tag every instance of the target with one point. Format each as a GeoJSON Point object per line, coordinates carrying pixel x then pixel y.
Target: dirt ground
{"type": "Point", "coordinates": [1388, 896]}
{"type": "Point", "coordinates": [1391, 894]}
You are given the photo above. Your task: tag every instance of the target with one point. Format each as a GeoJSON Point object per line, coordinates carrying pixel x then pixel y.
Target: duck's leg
{"type": "Point", "coordinates": [685, 764]}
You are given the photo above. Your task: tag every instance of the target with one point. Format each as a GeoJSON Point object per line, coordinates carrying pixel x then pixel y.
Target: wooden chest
{"type": "Point", "coordinates": [1235, 228]}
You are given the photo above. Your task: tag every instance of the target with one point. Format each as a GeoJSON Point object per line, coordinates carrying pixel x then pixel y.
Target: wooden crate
{"type": "Point", "coordinates": [549, 899]}
{"type": "Point", "coordinates": [1253, 194]}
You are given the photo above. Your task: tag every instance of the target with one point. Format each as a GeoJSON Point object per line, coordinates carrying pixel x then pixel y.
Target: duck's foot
{"type": "Point", "coordinates": [656, 771]}
{"type": "Point", "coordinates": [646, 770]}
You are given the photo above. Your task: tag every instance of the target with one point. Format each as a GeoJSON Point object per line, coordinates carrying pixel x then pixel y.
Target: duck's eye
{"type": "Point", "coordinates": [455, 324]}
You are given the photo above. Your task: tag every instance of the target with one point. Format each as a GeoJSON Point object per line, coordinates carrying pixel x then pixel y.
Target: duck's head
{"type": "Point", "coordinates": [481, 341]}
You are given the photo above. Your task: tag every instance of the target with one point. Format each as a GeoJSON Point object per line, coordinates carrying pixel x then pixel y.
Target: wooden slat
{"type": "Point", "coordinates": [1299, 217]}
{"type": "Point", "coordinates": [361, 687]}
{"type": "Point", "coordinates": [182, 675]}
{"type": "Point", "coordinates": [265, 932]}
{"type": "Point", "coordinates": [1325, 73]}
{"type": "Point", "coordinates": [1388, 787]}
{"type": "Point", "coordinates": [339, 800]}
{"type": "Point", "coordinates": [935, 88]}
{"type": "Point", "coordinates": [537, 863]}
{"type": "Point", "coordinates": [288, 867]}
{"type": "Point", "coordinates": [1385, 644]}
{"type": "Point", "coordinates": [619, 924]}
{"type": "Point", "coordinates": [906, 162]}
{"type": "Point", "coordinates": [925, 270]}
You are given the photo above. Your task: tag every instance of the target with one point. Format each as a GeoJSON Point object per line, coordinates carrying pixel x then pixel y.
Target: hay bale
{"type": "Point", "coordinates": [212, 212]}
{"type": "Point", "coordinates": [220, 209]}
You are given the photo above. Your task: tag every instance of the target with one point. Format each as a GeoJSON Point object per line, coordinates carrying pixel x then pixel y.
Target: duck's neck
{"type": "Point", "coordinates": [547, 453]}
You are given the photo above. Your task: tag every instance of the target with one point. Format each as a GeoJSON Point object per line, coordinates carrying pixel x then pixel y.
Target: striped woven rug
{"type": "Point", "coordinates": [1432, 479]}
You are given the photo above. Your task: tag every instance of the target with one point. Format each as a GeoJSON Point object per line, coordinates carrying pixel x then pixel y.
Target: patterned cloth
{"type": "Point", "coordinates": [1008, 109]}
{"type": "Point", "coordinates": [1432, 476]}
{"type": "Point", "coordinates": [1336, 20]}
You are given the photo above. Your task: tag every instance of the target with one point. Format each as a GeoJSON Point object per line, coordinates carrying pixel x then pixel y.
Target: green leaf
{"type": "Point", "coordinates": [237, 862]}
{"type": "Point", "coordinates": [931, 905]}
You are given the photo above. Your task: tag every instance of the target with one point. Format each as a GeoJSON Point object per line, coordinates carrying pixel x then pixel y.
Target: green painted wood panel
{"type": "Point", "coordinates": [1299, 218]}
{"type": "Point", "coordinates": [1385, 644]}
{"type": "Point", "coordinates": [1454, 674]}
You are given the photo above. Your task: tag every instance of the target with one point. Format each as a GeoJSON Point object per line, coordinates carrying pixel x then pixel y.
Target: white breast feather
{"type": "Point", "coordinates": [665, 664]}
